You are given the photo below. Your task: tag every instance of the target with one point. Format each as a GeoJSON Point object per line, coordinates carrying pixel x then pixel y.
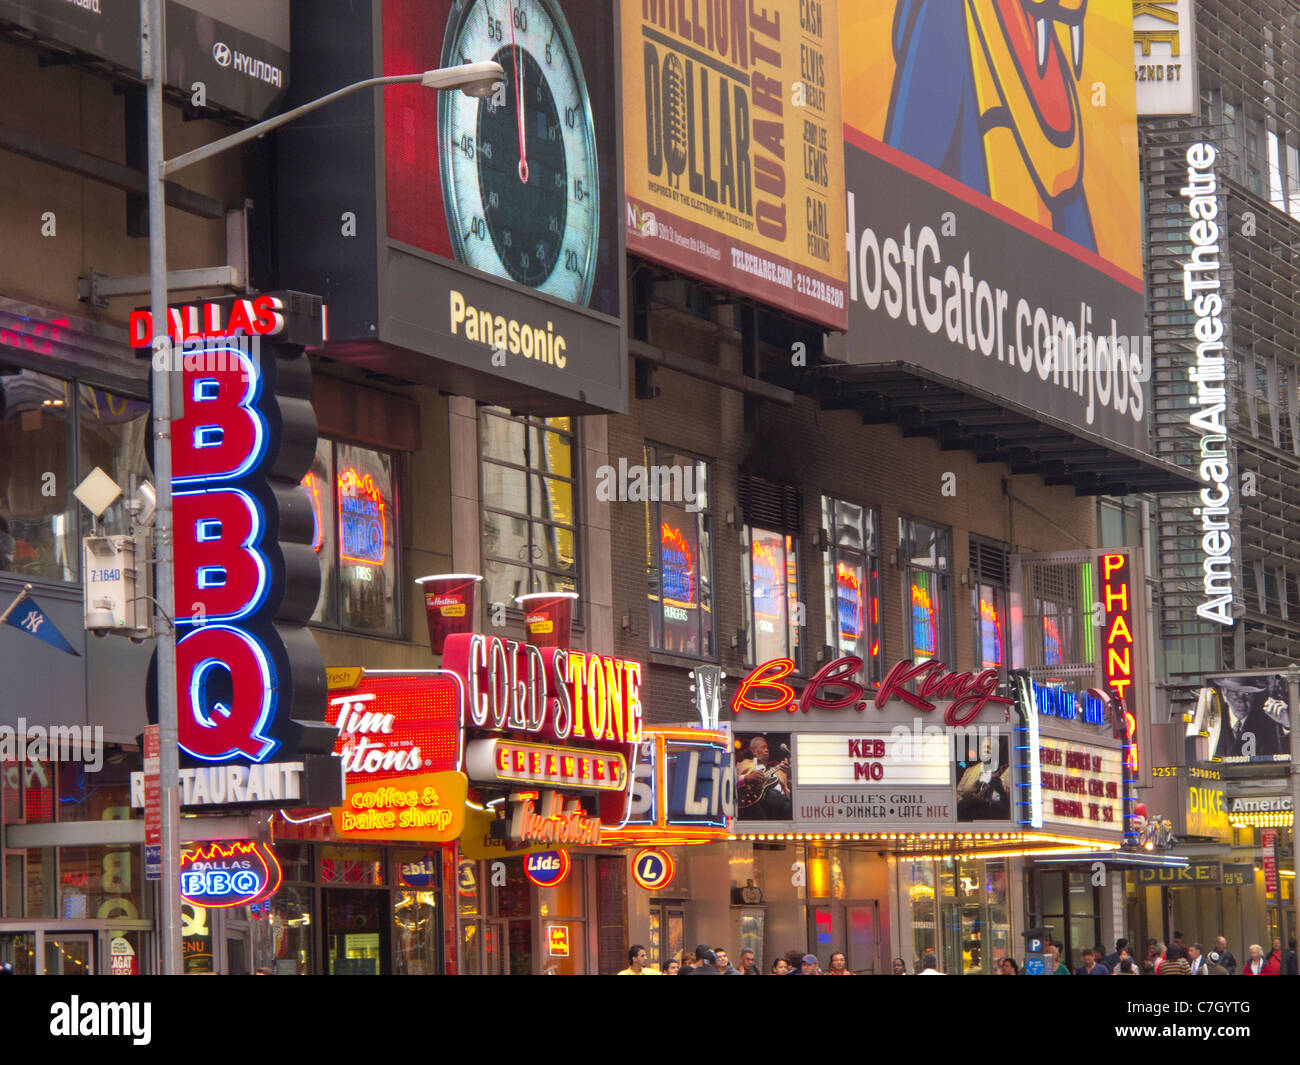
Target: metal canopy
{"type": "Point", "coordinates": [961, 418]}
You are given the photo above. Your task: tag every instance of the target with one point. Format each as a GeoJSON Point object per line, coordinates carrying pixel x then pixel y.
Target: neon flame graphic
{"type": "Point", "coordinates": [361, 519]}
{"type": "Point", "coordinates": [991, 633]}
{"type": "Point", "coordinates": [311, 483]}
{"type": "Point", "coordinates": [768, 584]}
{"type": "Point", "coordinates": [250, 868]}
{"type": "Point", "coordinates": [678, 567]}
{"type": "Point", "coordinates": [848, 596]}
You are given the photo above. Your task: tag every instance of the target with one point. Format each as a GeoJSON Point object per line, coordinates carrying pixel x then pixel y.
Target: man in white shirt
{"type": "Point", "coordinates": [930, 966]}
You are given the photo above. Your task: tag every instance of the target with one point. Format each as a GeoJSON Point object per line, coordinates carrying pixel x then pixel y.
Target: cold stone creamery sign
{"type": "Point", "coordinates": [734, 149]}
{"type": "Point", "coordinates": [399, 744]}
{"type": "Point", "coordinates": [587, 705]}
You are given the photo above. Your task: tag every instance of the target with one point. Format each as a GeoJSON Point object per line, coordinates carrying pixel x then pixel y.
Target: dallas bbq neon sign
{"type": "Point", "coordinates": [361, 519]}
{"type": "Point", "coordinates": [678, 567]}
{"type": "Point", "coordinates": [224, 875]}
{"type": "Point", "coordinates": [244, 437]}
{"type": "Point", "coordinates": [256, 317]}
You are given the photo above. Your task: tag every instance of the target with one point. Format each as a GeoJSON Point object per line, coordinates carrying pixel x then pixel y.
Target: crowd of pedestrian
{"type": "Point", "coordinates": [715, 961]}
{"type": "Point", "coordinates": [1160, 959]}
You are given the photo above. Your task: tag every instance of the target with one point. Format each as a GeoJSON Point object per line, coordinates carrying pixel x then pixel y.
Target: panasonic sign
{"type": "Point", "coordinates": [1201, 288]}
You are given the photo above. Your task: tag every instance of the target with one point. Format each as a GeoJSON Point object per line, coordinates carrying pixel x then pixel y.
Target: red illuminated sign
{"type": "Point", "coordinates": [968, 693]}
{"type": "Point", "coordinates": [211, 321]}
{"type": "Point", "coordinates": [1118, 650]}
{"type": "Point", "coordinates": [678, 567]}
{"type": "Point", "coordinates": [537, 763]}
{"type": "Point", "coordinates": [223, 875]}
{"type": "Point", "coordinates": [393, 724]}
{"type": "Point", "coordinates": [590, 703]}
{"type": "Point", "coordinates": [248, 671]}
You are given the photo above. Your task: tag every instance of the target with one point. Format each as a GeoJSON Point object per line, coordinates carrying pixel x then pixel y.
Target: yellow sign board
{"type": "Point", "coordinates": [424, 807]}
{"type": "Point", "coordinates": [734, 148]}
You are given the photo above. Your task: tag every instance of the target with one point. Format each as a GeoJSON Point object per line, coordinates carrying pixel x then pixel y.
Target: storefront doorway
{"type": "Point", "coordinates": [853, 927]}
{"type": "Point", "coordinates": [54, 949]}
{"type": "Point", "coordinates": [356, 931]}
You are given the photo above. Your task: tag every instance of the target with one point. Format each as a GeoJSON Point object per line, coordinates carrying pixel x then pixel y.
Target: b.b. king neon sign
{"type": "Point", "coordinates": [250, 679]}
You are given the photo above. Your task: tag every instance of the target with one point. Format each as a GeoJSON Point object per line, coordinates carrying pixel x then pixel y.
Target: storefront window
{"type": "Point", "coordinates": [920, 891]}
{"type": "Point", "coordinates": [679, 555]}
{"type": "Point", "coordinates": [352, 866]}
{"type": "Point", "coordinates": [976, 918]}
{"type": "Point", "coordinates": [927, 553]}
{"type": "Point", "coordinates": [770, 576]}
{"type": "Point", "coordinates": [354, 507]}
{"type": "Point", "coordinates": [291, 928]}
{"type": "Point", "coordinates": [112, 431]}
{"type": "Point", "coordinates": [38, 522]}
{"type": "Point", "coordinates": [417, 920]}
{"type": "Point", "coordinates": [851, 582]}
{"type": "Point", "coordinates": [562, 909]}
{"type": "Point", "coordinates": [528, 500]}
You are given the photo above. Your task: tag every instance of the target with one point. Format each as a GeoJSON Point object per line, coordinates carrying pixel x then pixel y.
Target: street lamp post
{"type": "Point", "coordinates": [1293, 712]}
{"type": "Point", "coordinates": [475, 79]}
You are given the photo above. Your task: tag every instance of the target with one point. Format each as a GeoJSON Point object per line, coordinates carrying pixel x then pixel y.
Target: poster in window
{"type": "Point", "coordinates": [925, 622]}
{"type": "Point", "coordinates": [983, 777]}
{"type": "Point", "coordinates": [763, 776]}
{"type": "Point", "coordinates": [849, 602]}
{"type": "Point", "coordinates": [990, 628]}
{"type": "Point", "coordinates": [679, 574]}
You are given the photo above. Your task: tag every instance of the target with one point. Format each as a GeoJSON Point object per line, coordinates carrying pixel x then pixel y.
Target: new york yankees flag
{"type": "Point", "coordinates": [26, 615]}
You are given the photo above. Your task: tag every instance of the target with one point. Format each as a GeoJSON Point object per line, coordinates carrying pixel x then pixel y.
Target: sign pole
{"type": "Point", "coordinates": [168, 922]}
{"type": "Point", "coordinates": [14, 605]}
{"type": "Point", "coordinates": [1293, 709]}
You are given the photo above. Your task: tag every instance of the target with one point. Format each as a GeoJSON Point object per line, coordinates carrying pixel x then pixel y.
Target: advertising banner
{"type": "Point", "coordinates": [1164, 58]}
{"type": "Point", "coordinates": [520, 185]}
{"type": "Point", "coordinates": [1246, 717]}
{"type": "Point", "coordinates": [237, 49]}
{"type": "Point", "coordinates": [994, 229]}
{"type": "Point", "coordinates": [734, 157]}
{"type": "Point", "coordinates": [1082, 785]}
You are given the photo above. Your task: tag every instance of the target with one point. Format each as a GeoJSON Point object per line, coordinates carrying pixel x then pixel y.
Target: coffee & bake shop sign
{"type": "Point", "coordinates": [548, 726]}
{"type": "Point", "coordinates": [926, 751]}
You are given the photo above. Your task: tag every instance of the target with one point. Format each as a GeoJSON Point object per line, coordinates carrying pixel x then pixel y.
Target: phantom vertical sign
{"type": "Point", "coordinates": [250, 680]}
{"type": "Point", "coordinates": [1118, 650]}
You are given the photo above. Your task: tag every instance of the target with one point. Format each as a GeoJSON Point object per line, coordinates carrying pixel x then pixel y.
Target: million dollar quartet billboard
{"type": "Point", "coordinates": [993, 218]}
{"type": "Point", "coordinates": [733, 152]}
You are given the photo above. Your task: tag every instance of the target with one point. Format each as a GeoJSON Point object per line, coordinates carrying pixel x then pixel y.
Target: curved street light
{"type": "Point", "coordinates": [474, 79]}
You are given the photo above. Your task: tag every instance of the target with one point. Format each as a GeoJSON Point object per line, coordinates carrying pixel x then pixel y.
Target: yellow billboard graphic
{"type": "Point", "coordinates": [1028, 102]}
{"type": "Point", "coordinates": [733, 147]}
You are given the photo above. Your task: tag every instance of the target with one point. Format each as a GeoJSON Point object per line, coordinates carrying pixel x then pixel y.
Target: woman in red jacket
{"type": "Point", "coordinates": [1273, 964]}
{"type": "Point", "coordinates": [1255, 963]}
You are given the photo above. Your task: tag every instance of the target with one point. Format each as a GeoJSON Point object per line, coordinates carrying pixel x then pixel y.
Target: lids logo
{"type": "Point", "coordinates": [421, 873]}
{"type": "Point", "coordinates": [547, 868]}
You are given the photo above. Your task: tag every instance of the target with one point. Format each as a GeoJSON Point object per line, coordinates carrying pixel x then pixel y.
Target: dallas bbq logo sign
{"type": "Point", "coordinates": [249, 673]}
{"type": "Point", "coordinates": [917, 686]}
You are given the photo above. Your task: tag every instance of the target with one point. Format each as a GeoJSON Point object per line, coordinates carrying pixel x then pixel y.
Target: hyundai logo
{"type": "Point", "coordinates": [221, 54]}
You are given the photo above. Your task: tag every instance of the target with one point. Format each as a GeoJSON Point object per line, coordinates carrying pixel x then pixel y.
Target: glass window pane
{"type": "Point", "coordinates": [38, 531]}
{"type": "Point", "coordinates": [113, 431]}
{"type": "Point", "coordinates": [990, 625]}
{"type": "Point", "coordinates": [552, 499]}
{"type": "Point", "coordinates": [680, 581]}
{"type": "Point", "coordinates": [553, 547]}
{"type": "Point", "coordinates": [505, 488]}
{"type": "Point", "coordinates": [926, 621]}
{"type": "Point", "coordinates": [769, 575]}
{"type": "Point", "coordinates": [503, 582]}
{"type": "Point", "coordinates": [319, 486]}
{"type": "Point", "coordinates": [502, 438]}
{"type": "Point", "coordinates": [367, 513]}
{"type": "Point", "coordinates": [556, 453]}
